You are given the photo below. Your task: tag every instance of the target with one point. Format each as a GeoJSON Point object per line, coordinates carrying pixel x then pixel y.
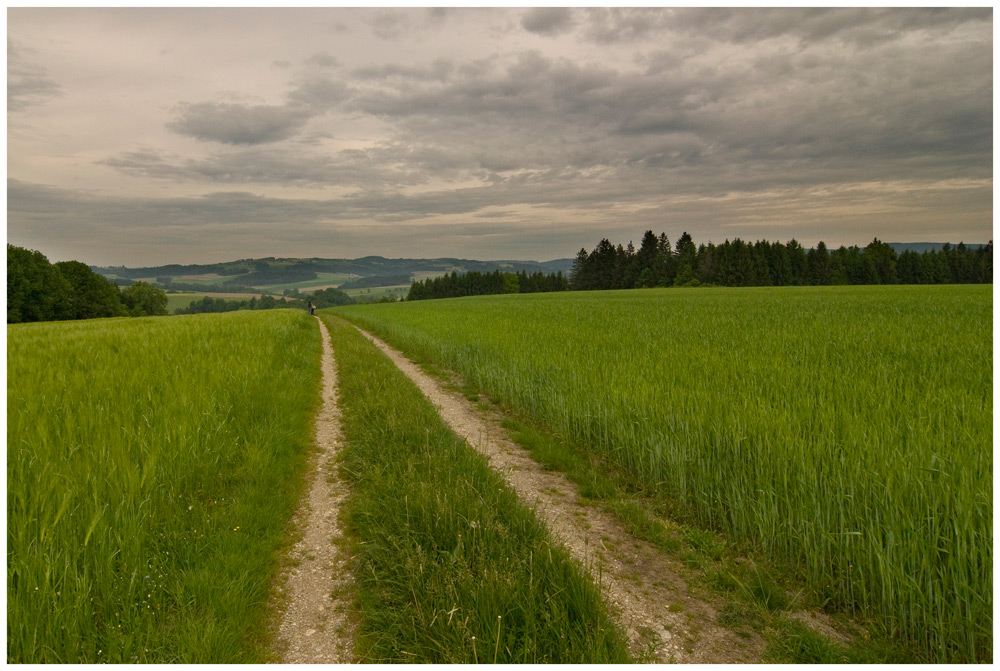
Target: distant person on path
{"type": "Point", "coordinates": [312, 308]}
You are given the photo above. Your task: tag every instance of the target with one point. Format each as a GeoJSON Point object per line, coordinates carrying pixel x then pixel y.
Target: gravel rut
{"type": "Point", "coordinates": [315, 627]}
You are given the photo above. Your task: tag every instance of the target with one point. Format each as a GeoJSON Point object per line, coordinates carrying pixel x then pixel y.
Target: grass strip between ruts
{"type": "Point", "coordinates": [451, 567]}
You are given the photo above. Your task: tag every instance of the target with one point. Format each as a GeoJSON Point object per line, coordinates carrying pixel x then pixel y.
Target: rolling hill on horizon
{"type": "Point", "coordinates": [371, 275]}
{"type": "Point", "coordinates": [362, 267]}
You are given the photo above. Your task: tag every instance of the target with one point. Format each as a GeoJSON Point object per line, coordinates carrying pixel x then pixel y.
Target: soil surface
{"type": "Point", "coordinates": [315, 590]}
{"type": "Point", "coordinates": [664, 621]}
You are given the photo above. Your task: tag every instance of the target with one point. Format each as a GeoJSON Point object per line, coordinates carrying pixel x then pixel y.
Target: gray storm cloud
{"type": "Point", "coordinates": [232, 123]}
{"type": "Point", "coordinates": [547, 20]}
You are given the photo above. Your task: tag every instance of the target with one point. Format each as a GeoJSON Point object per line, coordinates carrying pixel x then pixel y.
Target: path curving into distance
{"type": "Point", "coordinates": [661, 618]}
{"type": "Point", "coordinates": [315, 627]}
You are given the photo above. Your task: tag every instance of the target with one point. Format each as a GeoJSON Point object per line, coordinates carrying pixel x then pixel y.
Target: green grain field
{"type": "Point", "coordinates": [845, 431]}
{"type": "Point", "coordinates": [152, 465]}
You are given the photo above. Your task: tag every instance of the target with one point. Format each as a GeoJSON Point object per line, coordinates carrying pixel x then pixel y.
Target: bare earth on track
{"type": "Point", "coordinates": [315, 627]}
{"type": "Point", "coordinates": [664, 621]}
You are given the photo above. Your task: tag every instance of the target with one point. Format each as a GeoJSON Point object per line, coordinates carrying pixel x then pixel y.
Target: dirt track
{"type": "Point", "coordinates": [664, 622]}
{"type": "Point", "coordinates": [315, 627]}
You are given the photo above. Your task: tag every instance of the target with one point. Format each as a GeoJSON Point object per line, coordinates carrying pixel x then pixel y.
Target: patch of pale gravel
{"type": "Point", "coordinates": [315, 627]}
{"type": "Point", "coordinates": [664, 622]}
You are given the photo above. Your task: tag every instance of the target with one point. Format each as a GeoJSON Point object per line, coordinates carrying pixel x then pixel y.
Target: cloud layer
{"type": "Point", "coordinates": [28, 84]}
{"type": "Point", "coordinates": [230, 123]}
{"type": "Point", "coordinates": [494, 130]}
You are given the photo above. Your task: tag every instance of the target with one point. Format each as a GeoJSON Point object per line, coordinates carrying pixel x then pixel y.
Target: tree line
{"type": "Point", "coordinates": [320, 299]}
{"type": "Point", "coordinates": [41, 291]}
{"type": "Point", "coordinates": [737, 263]}
{"type": "Point", "coordinates": [210, 304]}
{"type": "Point", "coordinates": [475, 283]}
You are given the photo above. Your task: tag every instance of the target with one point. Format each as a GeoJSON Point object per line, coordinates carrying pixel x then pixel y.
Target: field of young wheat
{"type": "Point", "coordinates": [844, 430]}
{"type": "Point", "coordinates": [151, 467]}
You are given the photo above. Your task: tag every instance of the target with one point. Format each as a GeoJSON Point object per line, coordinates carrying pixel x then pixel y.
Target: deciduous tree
{"type": "Point", "coordinates": [90, 295]}
{"type": "Point", "coordinates": [36, 291]}
{"type": "Point", "coordinates": [144, 300]}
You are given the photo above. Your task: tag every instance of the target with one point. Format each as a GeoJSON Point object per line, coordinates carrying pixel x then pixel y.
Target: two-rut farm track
{"type": "Point", "coordinates": [663, 620]}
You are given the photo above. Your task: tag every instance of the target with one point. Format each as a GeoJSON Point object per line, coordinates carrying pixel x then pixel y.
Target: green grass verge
{"type": "Point", "coordinates": [451, 567]}
{"type": "Point", "coordinates": [152, 466]}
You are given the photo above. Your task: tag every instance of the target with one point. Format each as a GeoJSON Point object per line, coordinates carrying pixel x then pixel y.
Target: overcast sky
{"type": "Point", "coordinates": [153, 136]}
